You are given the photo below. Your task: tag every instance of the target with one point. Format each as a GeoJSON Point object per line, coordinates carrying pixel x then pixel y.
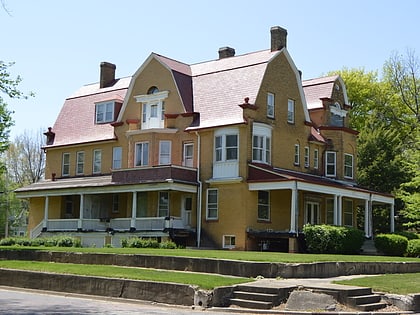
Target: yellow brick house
{"type": "Point", "coordinates": [236, 153]}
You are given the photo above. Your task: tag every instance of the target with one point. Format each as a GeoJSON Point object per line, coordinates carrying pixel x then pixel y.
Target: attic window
{"type": "Point", "coordinates": [152, 90]}
{"type": "Point", "coordinates": [104, 112]}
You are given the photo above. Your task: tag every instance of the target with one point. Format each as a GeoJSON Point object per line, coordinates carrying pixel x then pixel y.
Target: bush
{"type": "Point", "coordinates": [8, 241]}
{"type": "Point", "coordinates": [135, 242]}
{"type": "Point", "coordinates": [60, 241]}
{"type": "Point", "coordinates": [328, 239]}
{"type": "Point", "coordinates": [391, 244]}
{"type": "Point", "coordinates": [168, 245]}
{"type": "Point", "coordinates": [408, 235]}
{"type": "Point", "coordinates": [413, 248]}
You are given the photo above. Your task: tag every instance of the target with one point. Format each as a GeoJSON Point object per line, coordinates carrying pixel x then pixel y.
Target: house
{"type": "Point", "coordinates": [236, 153]}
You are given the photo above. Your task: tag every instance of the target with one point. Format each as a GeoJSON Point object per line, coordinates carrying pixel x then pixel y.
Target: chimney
{"type": "Point", "coordinates": [226, 52]}
{"type": "Point", "coordinates": [278, 38]}
{"type": "Point", "coordinates": [107, 76]}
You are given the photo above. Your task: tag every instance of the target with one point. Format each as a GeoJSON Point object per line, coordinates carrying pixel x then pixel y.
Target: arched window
{"type": "Point", "coordinates": [152, 90]}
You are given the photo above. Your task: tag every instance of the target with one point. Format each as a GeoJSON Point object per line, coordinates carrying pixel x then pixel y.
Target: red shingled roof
{"type": "Point", "coordinates": [316, 89]}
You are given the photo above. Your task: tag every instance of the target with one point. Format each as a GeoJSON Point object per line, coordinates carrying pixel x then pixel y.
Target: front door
{"type": "Point", "coordinates": [312, 212]}
{"type": "Point", "coordinates": [186, 210]}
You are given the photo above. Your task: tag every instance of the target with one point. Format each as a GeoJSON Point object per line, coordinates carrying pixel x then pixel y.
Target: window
{"type": "Point", "coordinates": [226, 147]}
{"type": "Point", "coordinates": [270, 105]}
{"type": "Point", "coordinates": [115, 203]}
{"type": "Point", "coordinates": [66, 164]}
{"type": "Point", "coordinates": [212, 204]}
{"type": "Point", "coordinates": [116, 157]}
{"type": "Point", "coordinates": [348, 165]}
{"type": "Point", "coordinates": [104, 112]}
{"type": "Point", "coordinates": [142, 154]}
{"type": "Point", "coordinates": [229, 241]}
{"type": "Point", "coordinates": [263, 205]}
{"type": "Point", "coordinates": [297, 154]}
{"type": "Point", "coordinates": [164, 152]}
{"type": "Point", "coordinates": [330, 211]}
{"type": "Point", "coordinates": [163, 207]}
{"type": "Point", "coordinates": [97, 161]}
{"type": "Point", "coordinates": [312, 212]}
{"type": "Point", "coordinates": [316, 159]}
{"type": "Point", "coordinates": [188, 155]}
{"type": "Point", "coordinates": [80, 162]}
{"type": "Point", "coordinates": [261, 143]}
{"type": "Point", "coordinates": [330, 162]}
{"type": "Point", "coordinates": [306, 157]}
{"type": "Point", "coordinates": [291, 111]}
{"type": "Point", "coordinates": [153, 108]}
{"type": "Point", "coordinates": [348, 212]}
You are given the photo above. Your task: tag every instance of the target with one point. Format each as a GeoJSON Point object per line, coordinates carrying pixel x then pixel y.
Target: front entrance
{"type": "Point", "coordinates": [312, 212]}
{"type": "Point", "coordinates": [186, 210]}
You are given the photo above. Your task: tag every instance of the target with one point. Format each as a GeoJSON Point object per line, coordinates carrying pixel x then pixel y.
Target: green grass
{"type": "Point", "coordinates": [392, 283]}
{"type": "Point", "coordinates": [204, 281]}
{"type": "Point", "coordinates": [228, 254]}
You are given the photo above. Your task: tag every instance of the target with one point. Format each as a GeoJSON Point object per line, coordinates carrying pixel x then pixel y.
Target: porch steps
{"type": "Point", "coordinates": [368, 248]}
{"type": "Point", "coordinates": [364, 300]}
{"type": "Point", "coordinates": [255, 297]}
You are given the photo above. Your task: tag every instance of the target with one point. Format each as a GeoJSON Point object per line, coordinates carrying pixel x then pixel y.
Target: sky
{"type": "Point", "coordinates": [57, 46]}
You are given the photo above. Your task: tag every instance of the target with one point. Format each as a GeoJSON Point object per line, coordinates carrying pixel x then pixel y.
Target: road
{"type": "Point", "coordinates": [33, 302]}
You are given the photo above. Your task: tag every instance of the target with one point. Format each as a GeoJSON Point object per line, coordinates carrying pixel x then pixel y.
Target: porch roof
{"type": "Point", "coordinates": [98, 185]}
{"type": "Point", "coordinates": [264, 177]}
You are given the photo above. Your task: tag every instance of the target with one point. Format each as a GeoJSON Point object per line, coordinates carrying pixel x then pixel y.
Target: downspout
{"type": "Point", "coordinates": [200, 187]}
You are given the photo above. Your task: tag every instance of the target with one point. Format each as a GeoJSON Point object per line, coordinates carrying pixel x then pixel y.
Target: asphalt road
{"type": "Point", "coordinates": [22, 301]}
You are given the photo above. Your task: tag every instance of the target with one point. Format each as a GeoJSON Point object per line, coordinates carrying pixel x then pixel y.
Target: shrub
{"type": "Point", "coordinates": [413, 248]}
{"type": "Point", "coordinates": [391, 244]}
{"type": "Point", "coordinates": [168, 245]}
{"type": "Point", "coordinates": [135, 242]}
{"type": "Point", "coordinates": [328, 239]}
{"type": "Point", "coordinates": [8, 241]}
{"type": "Point", "coordinates": [60, 241]}
{"type": "Point", "coordinates": [408, 235]}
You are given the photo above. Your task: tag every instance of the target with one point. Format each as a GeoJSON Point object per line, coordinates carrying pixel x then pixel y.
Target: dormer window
{"type": "Point", "coordinates": [104, 112]}
{"type": "Point", "coordinates": [337, 115]}
{"type": "Point", "coordinates": [152, 108]}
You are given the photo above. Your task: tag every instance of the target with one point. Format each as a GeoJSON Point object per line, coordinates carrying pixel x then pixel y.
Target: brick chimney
{"type": "Point", "coordinates": [107, 76]}
{"type": "Point", "coordinates": [226, 52]}
{"type": "Point", "coordinates": [278, 38]}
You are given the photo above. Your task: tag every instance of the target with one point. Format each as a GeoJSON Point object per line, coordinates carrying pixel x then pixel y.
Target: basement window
{"type": "Point", "coordinates": [229, 241]}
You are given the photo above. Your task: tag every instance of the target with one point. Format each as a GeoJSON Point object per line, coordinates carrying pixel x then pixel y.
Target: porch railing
{"type": "Point", "coordinates": [62, 224]}
{"type": "Point", "coordinates": [36, 231]}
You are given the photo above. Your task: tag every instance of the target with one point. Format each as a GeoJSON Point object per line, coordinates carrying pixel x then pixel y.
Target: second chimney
{"type": "Point", "coordinates": [226, 52]}
{"type": "Point", "coordinates": [107, 76]}
{"type": "Point", "coordinates": [278, 38]}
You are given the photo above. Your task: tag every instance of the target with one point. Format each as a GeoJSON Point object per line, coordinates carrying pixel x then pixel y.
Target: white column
{"type": "Point", "coordinates": [293, 211]}
{"type": "Point", "coordinates": [392, 214]}
{"type": "Point", "coordinates": [367, 219]}
{"type": "Point", "coordinates": [80, 222]}
{"type": "Point", "coordinates": [44, 224]}
{"type": "Point", "coordinates": [133, 211]}
{"type": "Point", "coordinates": [340, 211]}
{"type": "Point", "coordinates": [335, 213]}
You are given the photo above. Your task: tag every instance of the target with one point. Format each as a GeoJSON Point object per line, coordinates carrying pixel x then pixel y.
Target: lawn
{"type": "Point", "coordinates": [391, 283]}
{"type": "Point", "coordinates": [228, 254]}
{"type": "Point", "coordinates": [204, 281]}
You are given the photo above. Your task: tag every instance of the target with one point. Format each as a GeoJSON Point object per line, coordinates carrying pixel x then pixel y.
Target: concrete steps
{"type": "Point", "coordinates": [368, 248]}
{"type": "Point", "coordinates": [364, 300]}
{"type": "Point", "coordinates": [254, 297]}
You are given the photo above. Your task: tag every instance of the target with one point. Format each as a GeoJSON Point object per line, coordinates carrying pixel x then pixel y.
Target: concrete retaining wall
{"type": "Point", "coordinates": [110, 287]}
{"type": "Point", "coordinates": [224, 267]}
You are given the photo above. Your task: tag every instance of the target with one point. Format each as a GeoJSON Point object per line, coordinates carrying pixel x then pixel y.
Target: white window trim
{"type": "Point", "coordinates": [316, 159]}
{"type": "Point", "coordinates": [268, 205]}
{"type": "Point", "coordinates": [207, 204]}
{"type": "Point", "coordinates": [78, 162]}
{"type": "Point", "coordinates": [188, 160]}
{"type": "Point", "coordinates": [327, 164]}
{"type": "Point", "coordinates": [297, 155]}
{"type": "Point", "coordinates": [351, 166]}
{"type": "Point", "coordinates": [271, 101]}
{"type": "Point", "coordinates": [105, 105]}
{"type": "Point", "coordinates": [160, 196]}
{"type": "Point", "coordinates": [65, 165]}
{"type": "Point", "coordinates": [306, 157]}
{"type": "Point", "coordinates": [136, 154]}
{"type": "Point", "coordinates": [263, 131]}
{"type": "Point", "coordinates": [345, 211]}
{"type": "Point", "coordinates": [314, 220]}
{"type": "Point", "coordinates": [147, 101]}
{"type": "Point", "coordinates": [161, 156]}
{"type": "Point", "coordinates": [116, 159]}
{"type": "Point", "coordinates": [94, 170]}
{"type": "Point", "coordinates": [223, 133]}
{"type": "Point", "coordinates": [229, 246]}
{"type": "Point", "coordinates": [291, 109]}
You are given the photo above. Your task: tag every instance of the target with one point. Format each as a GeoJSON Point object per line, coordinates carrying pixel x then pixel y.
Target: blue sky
{"type": "Point", "coordinates": [58, 45]}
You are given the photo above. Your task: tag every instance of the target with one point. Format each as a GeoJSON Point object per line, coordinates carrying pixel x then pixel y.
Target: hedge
{"type": "Point", "coordinates": [391, 244]}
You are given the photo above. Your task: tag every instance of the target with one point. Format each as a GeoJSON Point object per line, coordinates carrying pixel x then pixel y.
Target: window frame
{"type": "Point", "coordinates": [80, 162]}
{"type": "Point", "coordinates": [348, 167]}
{"type": "Point", "coordinates": [105, 112]}
{"type": "Point", "coordinates": [291, 111]}
{"type": "Point", "coordinates": [65, 164]}
{"type": "Point", "coordinates": [214, 205]}
{"type": "Point", "coordinates": [261, 143]}
{"type": "Point", "coordinates": [147, 102]}
{"type": "Point", "coordinates": [348, 213]}
{"type": "Point", "coordinates": [314, 205]}
{"type": "Point", "coordinates": [188, 160]}
{"type": "Point", "coordinates": [116, 158]}
{"type": "Point", "coordinates": [329, 164]}
{"type": "Point", "coordinates": [227, 241]}
{"type": "Point", "coordinates": [263, 206]}
{"type": "Point", "coordinates": [271, 101]}
{"type": "Point", "coordinates": [306, 157]}
{"type": "Point", "coordinates": [115, 203]}
{"type": "Point", "coordinates": [165, 158]}
{"type": "Point", "coordinates": [97, 163]}
{"type": "Point", "coordinates": [143, 144]}
{"type": "Point", "coordinates": [296, 161]}
{"type": "Point", "coordinates": [163, 208]}
{"type": "Point", "coordinates": [316, 158]}
{"type": "Point", "coordinates": [329, 211]}
{"type": "Point", "coordinates": [221, 149]}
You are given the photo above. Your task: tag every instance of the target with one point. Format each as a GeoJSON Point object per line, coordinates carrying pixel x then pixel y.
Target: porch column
{"type": "Point", "coordinates": [45, 222]}
{"type": "Point", "coordinates": [335, 212]}
{"type": "Point", "coordinates": [293, 211]}
{"type": "Point", "coordinates": [339, 210]}
{"type": "Point", "coordinates": [80, 221]}
{"type": "Point", "coordinates": [367, 218]}
{"type": "Point", "coordinates": [392, 214]}
{"type": "Point", "coordinates": [133, 211]}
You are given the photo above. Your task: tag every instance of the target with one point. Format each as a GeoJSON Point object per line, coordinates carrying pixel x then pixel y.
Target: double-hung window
{"type": "Point", "coordinates": [263, 205]}
{"type": "Point", "coordinates": [330, 163]}
{"type": "Point", "coordinates": [297, 154]}
{"type": "Point", "coordinates": [261, 143]}
{"type": "Point", "coordinates": [163, 204]}
{"type": "Point", "coordinates": [105, 112]}
{"type": "Point", "coordinates": [142, 154]}
{"type": "Point", "coordinates": [212, 204]}
{"type": "Point", "coordinates": [316, 159]}
{"type": "Point", "coordinates": [188, 154]}
{"type": "Point", "coordinates": [348, 212]}
{"type": "Point", "coordinates": [80, 162]}
{"type": "Point", "coordinates": [66, 164]}
{"type": "Point", "coordinates": [291, 111]}
{"type": "Point", "coordinates": [226, 153]}
{"type": "Point", "coordinates": [226, 147]}
{"type": "Point", "coordinates": [116, 157]}
{"type": "Point", "coordinates": [270, 105]}
{"type": "Point", "coordinates": [97, 161]}
{"type": "Point", "coordinates": [306, 157]}
{"type": "Point", "coordinates": [164, 152]}
{"type": "Point", "coordinates": [348, 166]}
